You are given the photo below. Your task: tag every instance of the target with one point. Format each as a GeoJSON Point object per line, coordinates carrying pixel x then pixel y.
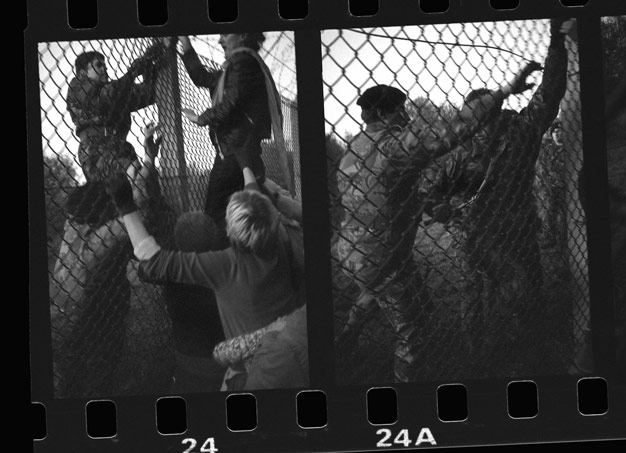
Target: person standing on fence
{"type": "Point", "coordinates": [499, 220]}
{"type": "Point", "coordinates": [245, 110]}
{"type": "Point", "coordinates": [379, 184]}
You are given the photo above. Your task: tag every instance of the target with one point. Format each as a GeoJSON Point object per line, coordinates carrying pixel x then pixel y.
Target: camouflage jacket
{"type": "Point", "coordinates": [379, 177]}
{"type": "Point", "coordinates": [512, 152]}
{"type": "Point", "coordinates": [103, 109]}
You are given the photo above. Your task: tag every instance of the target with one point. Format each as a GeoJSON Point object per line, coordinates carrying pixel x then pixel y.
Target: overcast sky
{"type": "Point", "coordinates": [353, 61]}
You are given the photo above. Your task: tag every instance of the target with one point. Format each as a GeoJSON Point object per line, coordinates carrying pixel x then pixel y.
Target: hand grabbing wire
{"type": "Point", "coordinates": [151, 144]}
{"type": "Point", "coordinates": [519, 84]}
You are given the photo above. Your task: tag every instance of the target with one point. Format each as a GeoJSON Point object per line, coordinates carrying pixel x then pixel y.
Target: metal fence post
{"type": "Point", "coordinates": [576, 237]}
{"type": "Point", "coordinates": [173, 166]}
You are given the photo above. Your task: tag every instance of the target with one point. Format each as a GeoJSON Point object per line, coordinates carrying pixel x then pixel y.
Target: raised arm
{"type": "Point", "coordinates": [544, 104]}
{"type": "Point", "coordinates": [425, 145]}
{"type": "Point", "coordinates": [143, 94]}
{"type": "Point", "coordinates": [160, 265]}
{"type": "Point", "coordinates": [196, 70]}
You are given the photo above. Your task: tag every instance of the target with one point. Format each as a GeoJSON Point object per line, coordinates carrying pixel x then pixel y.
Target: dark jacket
{"type": "Point", "coordinates": [243, 111]}
{"type": "Point", "coordinates": [101, 113]}
{"type": "Point", "coordinates": [95, 107]}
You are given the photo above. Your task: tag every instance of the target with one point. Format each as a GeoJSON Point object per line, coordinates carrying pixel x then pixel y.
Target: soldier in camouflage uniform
{"type": "Point", "coordinates": [379, 181]}
{"type": "Point", "coordinates": [499, 224]}
{"type": "Point", "coordinates": [101, 109]}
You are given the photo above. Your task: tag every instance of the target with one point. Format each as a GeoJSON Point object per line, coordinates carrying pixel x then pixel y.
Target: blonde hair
{"type": "Point", "coordinates": [252, 222]}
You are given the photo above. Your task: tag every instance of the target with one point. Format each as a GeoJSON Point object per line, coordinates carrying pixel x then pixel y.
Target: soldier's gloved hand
{"type": "Point", "coordinates": [120, 190]}
{"type": "Point", "coordinates": [150, 56]}
{"type": "Point", "coordinates": [138, 67]}
{"type": "Point", "coordinates": [154, 52]}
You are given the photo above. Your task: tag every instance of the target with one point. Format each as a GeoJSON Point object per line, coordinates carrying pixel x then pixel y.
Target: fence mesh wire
{"type": "Point", "coordinates": [499, 290]}
{"type": "Point", "coordinates": [111, 333]}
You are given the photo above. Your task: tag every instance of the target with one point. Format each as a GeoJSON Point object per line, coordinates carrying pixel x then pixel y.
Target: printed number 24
{"type": "Point", "coordinates": [403, 438]}
{"type": "Point", "coordinates": [207, 447]}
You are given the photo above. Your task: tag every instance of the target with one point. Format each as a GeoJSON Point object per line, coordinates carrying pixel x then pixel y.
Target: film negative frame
{"type": "Point", "coordinates": [347, 427]}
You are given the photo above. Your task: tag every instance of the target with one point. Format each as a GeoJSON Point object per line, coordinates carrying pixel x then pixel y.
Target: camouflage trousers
{"type": "Point", "coordinates": [102, 157]}
{"type": "Point", "coordinates": [401, 296]}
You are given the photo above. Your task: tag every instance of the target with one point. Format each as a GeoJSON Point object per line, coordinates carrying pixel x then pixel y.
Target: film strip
{"type": "Point", "coordinates": [326, 226]}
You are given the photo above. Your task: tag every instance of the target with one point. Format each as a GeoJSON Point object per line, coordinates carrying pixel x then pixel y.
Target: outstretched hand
{"type": "Point", "coordinates": [519, 83]}
{"type": "Point", "coordinates": [192, 116]}
{"type": "Point", "coordinates": [151, 144]}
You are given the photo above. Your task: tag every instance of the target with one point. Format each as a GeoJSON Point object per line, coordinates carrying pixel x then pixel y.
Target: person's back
{"type": "Point", "coordinates": [379, 192]}
{"type": "Point", "coordinates": [508, 197]}
{"type": "Point", "coordinates": [251, 291]}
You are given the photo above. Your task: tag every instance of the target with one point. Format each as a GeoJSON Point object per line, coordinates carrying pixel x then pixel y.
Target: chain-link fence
{"type": "Point", "coordinates": [111, 332]}
{"type": "Point", "coordinates": [472, 264]}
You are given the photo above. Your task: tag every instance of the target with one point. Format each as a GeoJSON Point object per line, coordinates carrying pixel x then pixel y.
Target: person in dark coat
{"type": "Point", "coordinates": [245, 110]}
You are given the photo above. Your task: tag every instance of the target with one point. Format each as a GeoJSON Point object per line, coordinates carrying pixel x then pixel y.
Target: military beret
{"type": "Point", "coordinates": [381, 97]}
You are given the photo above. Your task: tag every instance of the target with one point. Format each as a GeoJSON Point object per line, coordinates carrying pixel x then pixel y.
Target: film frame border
{"type": "Point", "coordinates": [48, 22]}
